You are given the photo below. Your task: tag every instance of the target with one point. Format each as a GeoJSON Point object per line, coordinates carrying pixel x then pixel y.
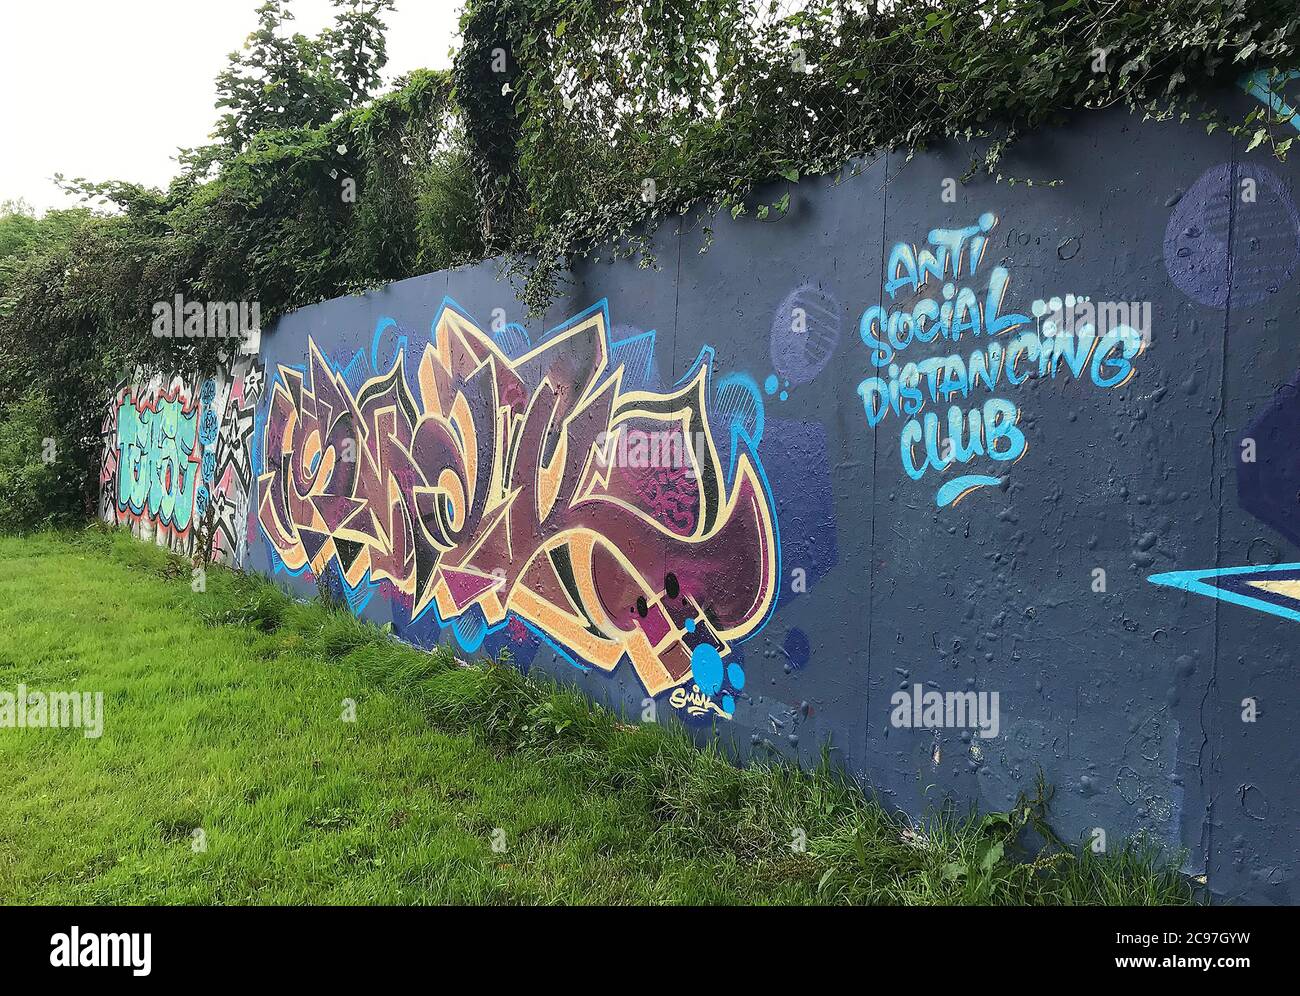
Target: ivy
{"type": "Point", "coordinates": [704, 99]}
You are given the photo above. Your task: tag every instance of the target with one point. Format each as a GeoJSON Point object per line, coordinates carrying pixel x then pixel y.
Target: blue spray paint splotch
{"type": "Point", "coordinates": [736, 675]}
{"type": "Point", "coordinates": [806, 329]}
{"type": "Point", "coordinates": [706, 667]}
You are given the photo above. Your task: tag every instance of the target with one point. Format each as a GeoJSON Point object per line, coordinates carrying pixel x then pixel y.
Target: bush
{"type": "Point", "coordinates": [39, 482]}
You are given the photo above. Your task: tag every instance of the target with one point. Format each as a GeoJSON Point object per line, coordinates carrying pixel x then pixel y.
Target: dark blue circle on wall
{"type": "Point", "coordinates": [1243, 212]}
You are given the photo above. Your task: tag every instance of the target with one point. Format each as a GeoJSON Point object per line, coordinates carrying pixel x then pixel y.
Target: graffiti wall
{"type": "Point", "coordinates": [176, 465]}
{"type": "Point", "coordinates": [481, 477]}
{"type": "Point", "coordinates": [963, 482]}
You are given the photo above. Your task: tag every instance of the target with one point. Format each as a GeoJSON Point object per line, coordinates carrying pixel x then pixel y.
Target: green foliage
{"type": "Point", "coordinates": [706, 98]}
{"type": "Point", "coordinates": [23, 236]}
{"type": "Point", "coordinates": [486, 78]}
{"type": "Point", "coordinates": [37, 482]}
{"type": "Point", "coordinates": [284, 81]}
{"type": "Point", "coordinates": [276, 226]}
{"type": "Point", "coordinates": [19, 229]}
{"type": "Point", "coordinates": [261, 607]}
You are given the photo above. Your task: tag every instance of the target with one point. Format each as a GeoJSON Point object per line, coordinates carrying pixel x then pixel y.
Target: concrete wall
{"type": "Point", "coordinates": [1087, 512]}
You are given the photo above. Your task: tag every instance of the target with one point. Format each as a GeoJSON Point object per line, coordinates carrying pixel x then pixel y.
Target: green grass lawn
{"type": "Point", "coordinates": [223, 714]}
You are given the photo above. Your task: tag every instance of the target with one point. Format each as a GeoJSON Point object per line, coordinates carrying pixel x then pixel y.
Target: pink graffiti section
{"type": "Point", "coordinates": [537, 486]}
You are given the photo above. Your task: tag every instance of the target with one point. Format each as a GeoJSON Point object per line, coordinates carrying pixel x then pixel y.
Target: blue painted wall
{"type": "Point", "coordinates": [1130, 697]}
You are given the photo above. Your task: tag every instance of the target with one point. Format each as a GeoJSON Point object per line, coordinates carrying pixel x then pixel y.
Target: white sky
{"type": "Point", "coordinates": [109, 89]}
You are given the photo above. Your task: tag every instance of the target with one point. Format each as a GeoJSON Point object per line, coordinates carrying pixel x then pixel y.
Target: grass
{"type": "Point", "coordinates": [222, 714]}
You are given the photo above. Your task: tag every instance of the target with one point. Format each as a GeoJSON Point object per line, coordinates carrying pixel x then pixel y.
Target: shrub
{"type": "Point", "coordinates": [38, 479]}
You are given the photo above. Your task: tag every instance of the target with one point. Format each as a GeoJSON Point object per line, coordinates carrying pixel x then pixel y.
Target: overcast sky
{"type": "Point", "coordinates": [109, 89]}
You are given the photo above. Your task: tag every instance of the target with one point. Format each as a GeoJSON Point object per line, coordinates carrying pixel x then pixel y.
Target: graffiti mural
{"type": "Point", "coordinates": [157, 457]}
{"type": "Point", "coordinates": [1235, 237]}
{"type": "Point", "coordinates": [932, 301]}
{"type": "Point", "coordinates": [231, 478]}
{"type": "Point", "coordinates": [172, 454]}
{"type": "Point", "coordinates": [550, 485]}
{"type": "Point", "coordinates": [1275, 589]}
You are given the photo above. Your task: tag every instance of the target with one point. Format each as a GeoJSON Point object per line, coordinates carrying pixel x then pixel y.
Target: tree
{"type": "Point", "coordinates": [23, 235]}
{"type": "Point", "coordinates": [18, 227]}
{"type": "Point", "coordinates": [280, 81]}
